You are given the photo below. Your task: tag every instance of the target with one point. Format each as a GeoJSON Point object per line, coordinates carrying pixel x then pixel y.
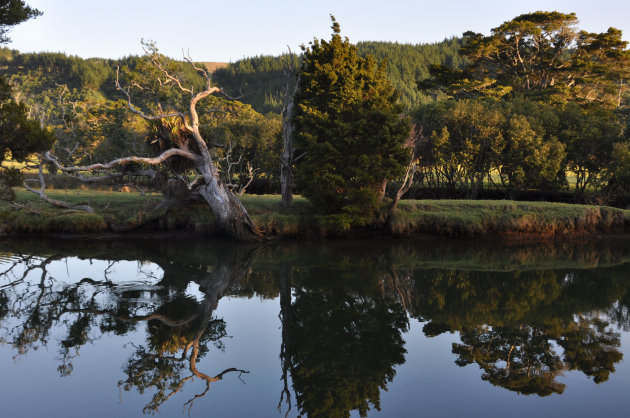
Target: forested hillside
{"type": "Point", "coordinates": [406, 64]}
{"type": "Point", "coordinates": [504, 128]}
{"type": "Point", "coordinates": [261, 79]}
{"type": "Point", "coordinates": [37, 73]}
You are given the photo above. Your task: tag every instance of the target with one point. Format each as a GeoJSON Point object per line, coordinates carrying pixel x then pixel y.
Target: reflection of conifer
{"type": "Point", "coordinates": [343, 349]}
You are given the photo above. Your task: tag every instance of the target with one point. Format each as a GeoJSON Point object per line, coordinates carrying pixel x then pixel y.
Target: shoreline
{"type": "Point", "coordinates": [461, 219]}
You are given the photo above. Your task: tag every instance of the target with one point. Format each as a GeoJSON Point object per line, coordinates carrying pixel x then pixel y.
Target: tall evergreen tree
{"type": "Point", "coordinates": [349, 133]}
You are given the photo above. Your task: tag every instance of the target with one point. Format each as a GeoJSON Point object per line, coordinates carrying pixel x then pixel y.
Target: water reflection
{"type": "Point", "coordinates": [524, 329]}
{"type": "Point", "coordinates": [525, 314]}
{"type": "Point", "coordinates": [179, 329]}
{"type": "Point", "coordinates": [340, 345]}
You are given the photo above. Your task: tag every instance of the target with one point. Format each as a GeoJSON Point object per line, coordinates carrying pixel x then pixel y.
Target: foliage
{"type": "Point", "coordinates": [19, 135]}
{"type": "Point", "coordinates": [464, 142]}
{"type": "Point", "coordinates": [349, 135]}
{"type": "Point", "coordinates": [76, 99]}
{"type": "Point", "coordinates": [460, 140]}
{"type": "Point", "coordinates": [14, 12]}
{"type": "Point", "coordinates": [246, 143]}
{"type": "Point", "coordinates": [358, 345]}
{"type": "Point", "coordinates": [590, 134]}
{"type": "Point", "coordinates": [261, 79]}
{"type": "Point", "coordinates": [406, 64]}
{"type": "Point", "coordinates": [543, 55]}
{"type": "Point", "coordinates": [511, 328]}
{"type": "Point", "coordinates": [556, 87]}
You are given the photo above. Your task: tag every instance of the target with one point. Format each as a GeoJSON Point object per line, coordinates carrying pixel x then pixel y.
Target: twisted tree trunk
{"type": "Point", "coordinates": [231, 217]}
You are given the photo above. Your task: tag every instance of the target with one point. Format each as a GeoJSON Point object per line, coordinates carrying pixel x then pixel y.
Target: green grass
{"type": "Point", "coordinates": [112, 210]}
{"type": "Point", "coordinates": [120, 212]}
{"type": "Point", "coordinates": [473, 218]}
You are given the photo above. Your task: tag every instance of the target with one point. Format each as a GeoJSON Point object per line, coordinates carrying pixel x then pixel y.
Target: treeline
{"type": "Point", "coordinates": [468, 146]}
{"type": "Point", "coordinates": [406, 64]}
{"type": "Point", "coordinates": [36, 73]}
{"type": "Point", "coordinates": [77, 100]}
{"type": "Point", "coordinates": [261, 80]}
{"type": "Point", "coordinates": [540, 106]}
{"type": "Point", "coordinates": [537, 106]}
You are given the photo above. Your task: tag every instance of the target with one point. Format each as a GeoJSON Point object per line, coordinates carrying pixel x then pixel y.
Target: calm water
{"type": "Point", "coordinates": [380, 328]}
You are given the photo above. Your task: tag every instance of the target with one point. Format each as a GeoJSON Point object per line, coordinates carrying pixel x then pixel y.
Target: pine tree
{"type": "Point", "coordinates": [349, 132]}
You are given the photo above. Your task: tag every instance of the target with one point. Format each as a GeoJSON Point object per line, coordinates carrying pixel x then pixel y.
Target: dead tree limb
{"type": "Point", "coordinates": [287, 160]}
{"type": "Point", "coordinates": [228, 210]}
{"type": "Point", "coordinates": [42, 194]}
{"type": "Point", "coordinates": [120, 161]}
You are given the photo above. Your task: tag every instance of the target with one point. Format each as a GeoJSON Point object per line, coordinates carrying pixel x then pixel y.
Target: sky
{"type": "Point", "coordinates": [228, 30]}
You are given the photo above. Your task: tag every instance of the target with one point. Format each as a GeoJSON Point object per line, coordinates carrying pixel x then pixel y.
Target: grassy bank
{"type": "Point", "coordinates": [124, 212]}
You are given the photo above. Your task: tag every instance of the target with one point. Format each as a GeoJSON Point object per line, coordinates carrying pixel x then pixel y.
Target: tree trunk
{"type": "Point", "coordinates": [286, 167]}
{"type": "Point", "coordinates": [382, 190]}
{"type": "Point", "coordinates": [230, 214]}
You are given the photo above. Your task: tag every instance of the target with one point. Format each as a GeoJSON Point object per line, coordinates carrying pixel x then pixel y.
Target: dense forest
{"type": "Point", "coordinates": [262, 81]}
{"type": "Point", "coordinates": [77, 99]}
{"type": "Point", "coordinates": [259, 80]}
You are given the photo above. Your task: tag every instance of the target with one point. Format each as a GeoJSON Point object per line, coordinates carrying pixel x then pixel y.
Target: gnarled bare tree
{"type": "Point", "coordinates": [207, 184]}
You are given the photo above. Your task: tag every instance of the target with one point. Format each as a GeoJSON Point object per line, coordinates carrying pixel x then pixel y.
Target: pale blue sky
{"type": "Point", "coordinates": [229, 30]}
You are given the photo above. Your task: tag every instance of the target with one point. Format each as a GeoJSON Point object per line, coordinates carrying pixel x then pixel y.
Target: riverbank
{"type": "Point", "coordinates": [117, 212]}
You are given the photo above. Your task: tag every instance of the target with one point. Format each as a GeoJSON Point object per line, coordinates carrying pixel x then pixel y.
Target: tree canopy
{"type": "Point", "coordinates": [14, 12]}
{"type": "Point", "coordinates": [560, 96]}
{"type": "Point", "coordinates": [542, 54]}
{"type": "Point", "coordinates": [349, 133]}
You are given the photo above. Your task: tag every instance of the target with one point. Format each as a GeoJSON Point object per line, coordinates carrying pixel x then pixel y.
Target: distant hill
{"type": "Point", "coordinates": [261, 80]}
{"type": "Point", "coordinates": [407, 63]}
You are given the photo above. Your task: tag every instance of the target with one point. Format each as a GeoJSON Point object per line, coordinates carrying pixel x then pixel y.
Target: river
{"type": "Point", "coordinates": [190, 327]}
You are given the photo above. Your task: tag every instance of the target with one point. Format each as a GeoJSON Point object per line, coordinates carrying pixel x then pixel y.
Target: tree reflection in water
{"type": "Point", "coordinates": [344, 309]}
{"type": "Point", "coordinates": [342, 349]}
{"type": "Point", "coordinates": [341, 339]}
{"type": "Point", "coordinates": [525, 328]}
{"type": "Point", "coordinates": [179, 328]}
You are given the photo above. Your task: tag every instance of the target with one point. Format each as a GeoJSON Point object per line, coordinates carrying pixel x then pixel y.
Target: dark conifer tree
{"type": "Point", "coordinates": [349, 132]}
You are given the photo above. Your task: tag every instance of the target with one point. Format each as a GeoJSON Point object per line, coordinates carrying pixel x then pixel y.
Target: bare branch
{"type": "Point", "coordinates": [143, 115]}
{"type": "Point", "coordinates": [26, 208]}
{"type": "Point", "coordinates": [172, 152]}
{"type": "Point", "coordinates": [251, 171]}
{"type": "Point", "coordinates": [59, 203]}
{"type": "Point", "coordinates": [202, 71]}
{"type": "Point", "coordinates": [158, 64]}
